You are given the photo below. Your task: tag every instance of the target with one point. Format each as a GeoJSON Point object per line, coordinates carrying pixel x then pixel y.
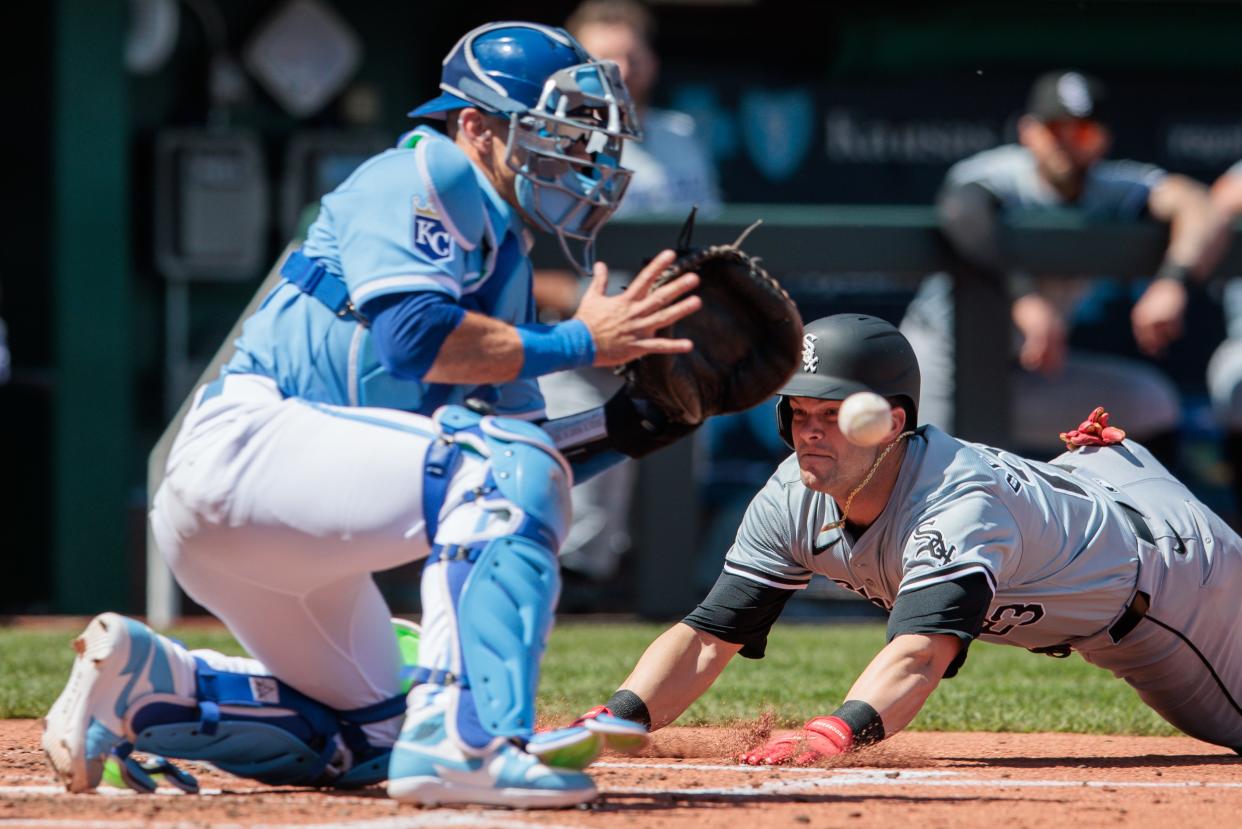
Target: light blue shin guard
{"type": "Point", "coordinates": [494, 600]}
{"type": "Point", "coordinates": [504, 615]}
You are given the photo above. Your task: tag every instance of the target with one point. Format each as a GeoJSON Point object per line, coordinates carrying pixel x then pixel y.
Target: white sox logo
{"type": "Point", "coordinates": [1009, 616]}
{"type": "Point", "coordinates": [430, 236]}
{"type": "Point", "coordinates": [931, 543]}
{"type": "Point", "coordinates": [810, 360]}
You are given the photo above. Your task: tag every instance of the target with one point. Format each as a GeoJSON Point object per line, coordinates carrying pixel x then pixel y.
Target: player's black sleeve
{"type": "Point", "coordinates": [740, 611]}
{"type": "Point", "coordinates": [957, 608]}
{"type": "Point", "coordinates": [969, 215]}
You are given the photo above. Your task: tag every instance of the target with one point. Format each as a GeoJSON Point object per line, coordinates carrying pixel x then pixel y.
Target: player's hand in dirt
{"type": "Point", "coordinates": [821, 737]}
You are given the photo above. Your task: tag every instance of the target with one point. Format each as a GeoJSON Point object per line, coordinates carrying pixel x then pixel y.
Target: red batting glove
{"type": "Point", "coordinates": [1094, 431]}
{"type": "Point", "coordinates": [592, 714]}
{"type": "Point", "coordinates": [820, 737]}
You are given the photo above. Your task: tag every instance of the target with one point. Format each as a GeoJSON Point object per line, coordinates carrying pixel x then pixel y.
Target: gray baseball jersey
{"type": "Point", "coordinates": [1057, 553]}
{"type": "Point", "coordinates": [1112, 189]}
{"type": "Point", "coordinates": [1101, 551]}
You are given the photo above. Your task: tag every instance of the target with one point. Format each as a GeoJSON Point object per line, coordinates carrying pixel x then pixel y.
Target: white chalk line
{"type": "Point", "coordinates": [828, 779]}
{"type": "Point", "coordinates": [481, 820]}
{"type": "Point", "coordinates": [805, 781]}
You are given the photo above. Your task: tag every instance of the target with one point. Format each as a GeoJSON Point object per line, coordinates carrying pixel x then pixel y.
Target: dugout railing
{"type": "Point", "coordinates": [800, 242]}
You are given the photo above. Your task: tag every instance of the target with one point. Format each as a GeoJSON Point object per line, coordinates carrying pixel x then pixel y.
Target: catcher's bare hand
{"type": "Point", "coordinates": [623, 326]}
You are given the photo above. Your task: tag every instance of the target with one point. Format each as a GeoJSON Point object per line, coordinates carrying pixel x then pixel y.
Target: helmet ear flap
{"type": "Point", "coordinates": [784, 420]}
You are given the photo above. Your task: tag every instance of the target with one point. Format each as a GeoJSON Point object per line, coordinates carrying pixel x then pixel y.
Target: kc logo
{"type": "Point", "coordinates": [810, 360]}
{"type": "Point", "coordinates": [430, 237]}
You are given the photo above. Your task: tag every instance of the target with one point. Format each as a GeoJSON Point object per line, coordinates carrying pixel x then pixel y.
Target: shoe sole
{"type": "Point", "coordinates": [66, 723]}
{"type": "Point", "coordinates": [435, 791]}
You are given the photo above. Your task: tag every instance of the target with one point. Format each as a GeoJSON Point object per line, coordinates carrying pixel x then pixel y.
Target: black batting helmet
{"type": "Point", "coordinates": [848, 353]}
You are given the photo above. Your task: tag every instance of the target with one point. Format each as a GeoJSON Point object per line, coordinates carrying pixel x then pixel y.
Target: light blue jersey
{"type": "Point", "coordinates": [420, 219]}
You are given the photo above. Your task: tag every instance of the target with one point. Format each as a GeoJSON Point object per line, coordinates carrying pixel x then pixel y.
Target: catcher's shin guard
{"type": "Point", "coordinates": [492, 581]}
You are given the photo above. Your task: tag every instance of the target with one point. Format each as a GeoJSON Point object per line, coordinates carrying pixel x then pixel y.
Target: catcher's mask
{"type": "Point", "coordinates": [569, 116]}
{"type": "Point", "coordinates": [848, 353]}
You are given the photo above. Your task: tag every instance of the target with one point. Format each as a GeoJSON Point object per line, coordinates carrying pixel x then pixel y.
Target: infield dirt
{"type": "Point", "coordinates": [688, 779]}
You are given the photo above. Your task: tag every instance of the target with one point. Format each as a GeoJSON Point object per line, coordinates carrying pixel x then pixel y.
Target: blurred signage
{"type": "Point", "coordinates": [892, 141]}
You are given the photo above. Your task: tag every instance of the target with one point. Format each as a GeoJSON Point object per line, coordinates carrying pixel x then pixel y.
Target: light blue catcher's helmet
{"type": "Point", "coordinates": [555, 96]}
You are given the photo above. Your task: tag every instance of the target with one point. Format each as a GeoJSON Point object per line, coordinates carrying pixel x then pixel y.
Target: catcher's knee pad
{"type": "Point", "coordinates": [257, 727]}
{"type": "Point", "coordinates": [527, 475]}
{"type": "Point", "coordinates": [529, 471]}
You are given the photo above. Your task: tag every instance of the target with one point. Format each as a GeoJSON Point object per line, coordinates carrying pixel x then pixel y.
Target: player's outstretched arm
{"type": "Point", "coordinates": [675, 670]}
{"type": "Point", "coordinates": [902, 676]}
{"type": "Point", "coordinates": [883, 700]}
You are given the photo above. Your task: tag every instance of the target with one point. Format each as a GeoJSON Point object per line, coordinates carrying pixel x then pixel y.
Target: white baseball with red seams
{"type": "Point", "coordinates": [865, 418]}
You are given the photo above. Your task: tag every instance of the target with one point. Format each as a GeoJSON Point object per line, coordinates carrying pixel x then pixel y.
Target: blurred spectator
{"type": "Point", "coordinates": [1224, 374]}
{"type": "Point", "coordinates": [672, 173]}
{"type": "Point", "coordinates": [1060, 162]}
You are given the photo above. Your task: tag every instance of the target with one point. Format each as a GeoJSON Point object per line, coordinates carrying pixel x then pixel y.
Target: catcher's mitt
{"type": "Point", "coordinates": [747, 337]}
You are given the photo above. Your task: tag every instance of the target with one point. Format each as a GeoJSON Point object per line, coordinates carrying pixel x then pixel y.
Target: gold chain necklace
{"type": "Point", "coordinates": [845, 510]}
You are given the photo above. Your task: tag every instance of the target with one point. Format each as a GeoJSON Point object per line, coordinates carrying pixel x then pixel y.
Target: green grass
{"type": "Point", "coordinates": [807, 671]}
{"type": "Point", "coordinates": [35, 663]}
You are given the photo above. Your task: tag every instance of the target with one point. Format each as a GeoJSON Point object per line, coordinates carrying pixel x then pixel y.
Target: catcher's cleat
{"type": "Point", "coordinates": [428, 767]}
{"type": "Point", "coordinates": [124, 771]}
{"type": "Point", "coordinates": [578, 746]}
{"type": "Point", "coordinates": [118, 661]}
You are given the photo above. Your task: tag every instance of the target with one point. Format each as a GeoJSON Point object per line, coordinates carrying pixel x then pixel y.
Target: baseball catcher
{"type": "Point", "coordinates": [335, 443]}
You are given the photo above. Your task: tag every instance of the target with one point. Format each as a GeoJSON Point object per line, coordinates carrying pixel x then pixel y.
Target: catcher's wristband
{"type": "Point", "coordinates": [551, 348]}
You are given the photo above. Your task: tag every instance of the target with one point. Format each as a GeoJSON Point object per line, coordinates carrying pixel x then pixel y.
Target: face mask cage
{"type": "Point", "coordinates": [568, 149]}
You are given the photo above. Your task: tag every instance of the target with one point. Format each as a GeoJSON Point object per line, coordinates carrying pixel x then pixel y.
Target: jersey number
{"type": "Point", "coordinates": [1016, 470]}
{"type": "Point", "coordinates": [1009, 616]}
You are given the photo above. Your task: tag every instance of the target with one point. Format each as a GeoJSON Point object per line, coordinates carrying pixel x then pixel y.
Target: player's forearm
{"type": "Point", "coordinates": [1198, 239]}
{"type": "Point", "coordinates": [485, 350]}
{"type": "Point", "coordinates": [479, 350]}
{"type": "Point", "coordinates": [676, 669]}
{"type": "Point", "coordinates": [1198, 231]}
{"type": "Point", "coordinates": [902, 676]}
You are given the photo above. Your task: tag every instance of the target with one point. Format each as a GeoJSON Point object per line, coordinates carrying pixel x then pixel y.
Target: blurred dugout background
{"type": "Point", "coordinates": [161, 153]}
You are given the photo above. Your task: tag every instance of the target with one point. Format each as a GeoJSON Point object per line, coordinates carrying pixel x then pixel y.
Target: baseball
{"type": "Point", "coordinates": [865, 418]}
